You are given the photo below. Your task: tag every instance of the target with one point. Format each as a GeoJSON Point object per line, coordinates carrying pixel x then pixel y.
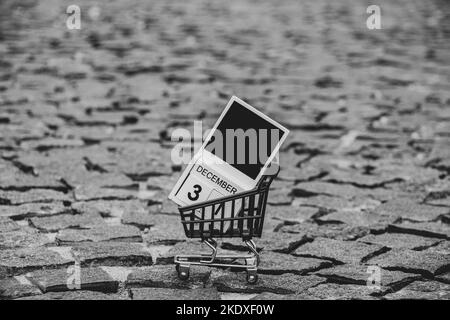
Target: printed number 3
{"type": "Point", "coordinates": [197, 190]}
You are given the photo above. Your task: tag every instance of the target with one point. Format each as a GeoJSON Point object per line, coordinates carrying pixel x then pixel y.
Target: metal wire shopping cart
{"type": "Point", "coordinates": [235, 216]}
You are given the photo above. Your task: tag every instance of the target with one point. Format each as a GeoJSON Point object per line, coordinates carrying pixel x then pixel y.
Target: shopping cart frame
{"type": "Point", "coordinates": [247, 223]}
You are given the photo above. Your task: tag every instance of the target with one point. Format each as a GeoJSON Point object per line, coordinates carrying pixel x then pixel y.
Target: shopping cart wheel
{"type": "Point", "coordinates": [183, 271]}
{"type": "Point", "coordinates": [252, 276]}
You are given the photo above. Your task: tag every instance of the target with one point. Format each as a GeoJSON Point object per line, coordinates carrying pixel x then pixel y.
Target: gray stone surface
{"type": "Point", "coordinates": [400, 240]}
{"type": "Point", "coordinates": [76, 295]}
{"type": "Point", "coordinates": [423, 290]}
{"type": "Point", "coordinates": [163, 228]}
{"type": "Point", "coordinates": [165, 276]}
{"type": "Point", "coordinates": [30, 196]}
{"type": "Point", "coordinates": [334, 203]}
{"type": "Point", "coordinates": [112, 254]}
{"type": "Point", "coordinates": [419, 262]}
{"type": "Point", "coordinates": [111, 208]}
{"type": "Point", "coordinates": [337, 250]}
{"type": "Point", "coordinates": [408, 209]}
{"type": "Point", "coordinates": [269, 296]}
{"type": "Point", "coordinates": [29, 210]}
{"type": "Point", "coordinates": [66, 221]}
{"type": "Point", "coordinates": [100, 233]}
{"type": "Point", "coordinates": [173, 294]}
{"type": "Point", "coordinates": [358, 218]}
{"type": "Point", "coordinates": [291, 214]}
{"type": "Point", "coordinates": [359, 275]}
{"type": "Point", "coordinates": [281, 284]}
{"type": "Point", "coordinates": [338, 190]}
{"type": "Point", "coordinates": [18, 261]}
{"type": "Point", "coordinates": [271, 241]}
{"type": "Point", "coordinates": [427, 229]}
{"type": "Point", "coordinates": [278, 263]}
{"type": "Point", "coordinates": [311, 230]}
{"type": "Point", "coordinates": [333, 291]}
{"type": "Point", "coordinates": [92, 279]}
{"type": "Point", "coordinates": [12, 288]}
{"type": "Point", "coordinates": [23, 237]}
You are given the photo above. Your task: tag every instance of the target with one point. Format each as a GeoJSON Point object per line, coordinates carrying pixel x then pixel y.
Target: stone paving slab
{"type": "Point", "coordinates": [165, 276]}
{"type": "Point", "coordinates": [13, 179]}
{"type": "Point", "coordinates": [17, 287]}
{"type": "Point", "coordinates": [34, 195]}
{"type": "Point", "coordinates": [426, 229]}
{"type": "Point", "coordinates": [269, 296]}
{"type": "Point", "coordinates": [332, 203]}
{"type": "Point", "coordinates": [76, 295]}
{"type": "Point", "coordinates": [173, 294]}
{"type": "Point", "coordinates": [337, 250]}
{"type": "Point", "coordinates": [112, 208]}
{"type": "Point", "coordinates": [339, 190]}
{"type": "Point", "coordinates": [29, 210]}
{"type": "Point", "coordinates": [162, 228]}
{"type": "Point", "coordinates": [112, 254]}
{"type": "Point", "coordinates": [332, 291]}
{"type": "Point", "coordinates": [444, 278]}
{"type": "Point", "coordinates": [17, 261]}
{"type": "Point", "coordinates": [291, 214]}
{"type": "Point", "coordinates": [407, 209]}
{"type": "Point", "coordinates": [423, 290]}
{"type": "Point", "coordinates": [278, 263]}
{"type": "Point", "coordinates": [270, 241]}
{"type": "Point", "coordinates": [281, 284]}
{"type": "Point", "coordinates": [8, 225]}
{"type": "Point", "coordinates": [419, 262]}
{"type": "Point", "coordinates": [23, 238]}
{"type": "Point", "coordinates": [438, 198]}
{"type": "Point", "coordinates": [311, 230]}
{"type": "Point", "coordinates": [66, 221]}
{"type": "Point", "coordinates": [368, 219]}
{"type": "Point", "coordinates": [399, 240]}
{"type": "Point", "coordinates": [92, 279]}
{"type": "Point", "coordinates": [99, 234]}
{"type": "Point", "coordinates": [359, 274]}
{"type": "Point", "coordinates": [442, 248]}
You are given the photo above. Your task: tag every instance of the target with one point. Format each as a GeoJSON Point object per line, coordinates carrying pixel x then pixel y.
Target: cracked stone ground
{"type": "Point", "coordinates": [86, 118]}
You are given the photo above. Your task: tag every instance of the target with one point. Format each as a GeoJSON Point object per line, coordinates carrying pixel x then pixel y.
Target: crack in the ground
{"type": "Point", "coordinates": [128, 261]}
{"type": "Point", "coordinates": [334, 261]}
{"type": "Point", "coordinates": [14, 271]}
{"type": "Point", "coordinates": [109, 198]}
{"type": "Point", "coordinates": [7, 202]}
{"type": "Point", "coordinates": [24, 168]}
{"type": "Point", "coordinates": [365, 186]}
{"type": "Point", "coordinates": [28, 188]}
{"type": "Point", "coordinates": [424, 273]}
{"type": "Point", "coordinates": [143, 177]}
{"type": "Point", "coordinates": [437, 195]}
{"type": "Point", "coordinates": [311, 178]}
{"type": "Point", "coordinates": [324, 265]}
{"type": "Point", "coordinates": [374, 254]}
{"type": "Point", "coordinates": [389, 288]}
{"type": "Point", "coordinates": [392, 228]}
{"type": "Point", "coordinates": [90, 166]}
{"type": "Point", "coordinates": [421, 248]}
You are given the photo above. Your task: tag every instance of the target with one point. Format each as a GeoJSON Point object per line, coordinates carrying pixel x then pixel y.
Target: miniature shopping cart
{"type": "Point", "coordinates": [236, 216]}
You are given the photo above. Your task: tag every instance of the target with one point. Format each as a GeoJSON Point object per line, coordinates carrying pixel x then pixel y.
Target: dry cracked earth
{"type": "Point", "coordinates": [86, 118]}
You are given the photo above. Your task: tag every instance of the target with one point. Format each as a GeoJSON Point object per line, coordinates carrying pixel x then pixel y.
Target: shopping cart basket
{"type": "Point", "coordinates": [236, 216]}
